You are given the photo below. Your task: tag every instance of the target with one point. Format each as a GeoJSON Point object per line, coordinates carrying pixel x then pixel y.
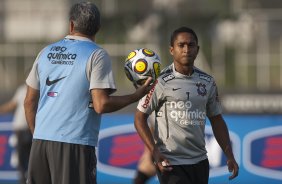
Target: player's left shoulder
{"type": "Point", "coordinates": [166, 75]}
{"type": "Point", "coordinates": [203, 76]}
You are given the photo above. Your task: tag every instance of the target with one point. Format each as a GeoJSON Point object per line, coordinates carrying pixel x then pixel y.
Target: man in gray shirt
{"type": "Point", "coordinates": [182, 98]}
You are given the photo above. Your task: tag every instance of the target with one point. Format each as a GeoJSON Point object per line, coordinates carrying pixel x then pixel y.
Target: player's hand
{"type": "Point", "coordinates": [233, 167]}
{"type": "Point", "coordinates": [145, 88]}
{"type": "Point", "coordinates": [161, 162]}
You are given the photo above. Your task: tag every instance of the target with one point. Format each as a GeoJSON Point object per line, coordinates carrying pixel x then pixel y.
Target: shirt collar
{"type": "Point", "coordinates": [81, 38]}
{"type": "Point", "coordinates": [177, 74]}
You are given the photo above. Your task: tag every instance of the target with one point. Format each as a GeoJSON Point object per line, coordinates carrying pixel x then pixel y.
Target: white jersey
{"type": "Point", "coordinates": [181, 104]}
{"type": "Point", "coordinates": [19, 121]}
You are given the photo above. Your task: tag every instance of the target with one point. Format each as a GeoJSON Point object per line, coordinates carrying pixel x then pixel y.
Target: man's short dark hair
{"type": "Point", "coordinates": [86, 18]}
{"type": "Point", "coordinates": [182, 30]}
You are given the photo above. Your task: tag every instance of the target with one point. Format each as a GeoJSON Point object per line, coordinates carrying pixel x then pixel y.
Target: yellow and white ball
{"type": "Point", "coordinates": [141, 64]}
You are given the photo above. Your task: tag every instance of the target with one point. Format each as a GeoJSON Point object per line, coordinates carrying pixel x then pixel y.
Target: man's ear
{"type": "Point", "coordinates": [71, 27]}
{"type": "Point", "coordinates": [171, 50]}
{"type": "Point", "coordinates": [198, 49]}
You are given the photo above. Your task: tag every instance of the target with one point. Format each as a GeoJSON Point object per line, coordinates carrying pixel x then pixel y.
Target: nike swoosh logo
{"type": "Point", "coordinates": [174, 89]}
{"type": "Point", "coordinates": [51, 82]}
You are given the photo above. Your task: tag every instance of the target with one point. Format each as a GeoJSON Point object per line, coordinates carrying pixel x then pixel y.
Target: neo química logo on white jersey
{"type": "Point", "coordinates": [184, 115]}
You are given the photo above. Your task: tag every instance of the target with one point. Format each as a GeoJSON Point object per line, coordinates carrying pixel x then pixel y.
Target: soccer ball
{"type": "Point", "coordinates": [141, 64]}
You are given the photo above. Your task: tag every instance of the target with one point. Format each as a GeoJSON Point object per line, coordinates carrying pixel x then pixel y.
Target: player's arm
{"type": "Point", "coordinates": [222, 136]}
{"type": "Point", "coordinates": [30, 106]}
{"type": "Point", "coordinates": [104, 103]}
{"type": "Point", "coordinates": [8, 107]}
{"type": "Point", "coordinates": [102, 85]}
{"type": "Point", "coordinates": [141, 125]}
{"type": "Point", "coordinates": [12, 104]}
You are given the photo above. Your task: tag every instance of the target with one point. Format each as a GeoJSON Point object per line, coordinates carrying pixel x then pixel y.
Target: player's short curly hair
{"type": "Point", "coordinates": [181, 30]}
{"type": "Point", "coordinates": [86, 18]}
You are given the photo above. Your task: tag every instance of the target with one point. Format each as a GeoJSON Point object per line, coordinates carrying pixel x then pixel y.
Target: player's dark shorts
{"type": "Point", "coordinates": [188, 174]}
{"type": "Point", "coordinates": [61, 163]}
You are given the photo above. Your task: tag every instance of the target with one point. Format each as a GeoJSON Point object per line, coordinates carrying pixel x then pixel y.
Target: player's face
{"type": "Point", "coordinates": [185, 49]}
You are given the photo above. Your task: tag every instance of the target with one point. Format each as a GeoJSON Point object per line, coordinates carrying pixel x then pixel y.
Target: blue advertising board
{"type": "Point", "coordinates": [256, 142]}
{"type": "Point", "coordinates": [8, 173]}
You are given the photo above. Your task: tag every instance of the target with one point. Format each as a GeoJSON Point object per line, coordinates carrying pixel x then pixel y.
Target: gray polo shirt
{"type": "Point", "coordinates": [181, 104]}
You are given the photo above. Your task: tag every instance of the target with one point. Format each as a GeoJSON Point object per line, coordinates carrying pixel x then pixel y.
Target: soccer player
{"type": "Point", "coordinates": [20, 129]}
{"type": "Point", "coordinates": [69, 87]}
{"type": "Point", "coordinates": [181, 99]}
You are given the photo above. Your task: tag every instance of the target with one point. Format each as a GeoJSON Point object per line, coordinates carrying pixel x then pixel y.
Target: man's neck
{"type": "Point", "coordinates": [185, 70]}
{"type": "Point", "coordinates": [83, 35]}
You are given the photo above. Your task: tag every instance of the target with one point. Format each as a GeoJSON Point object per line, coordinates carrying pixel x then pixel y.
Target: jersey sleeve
{"type": "Point", "coordinates": [33, 78]}
{"type": "Point", "coordinates": [100, 74]}
{"type": "Point", "coordinates": [213, 105]}
{"type": "Point", "coordinates": [149, 103]}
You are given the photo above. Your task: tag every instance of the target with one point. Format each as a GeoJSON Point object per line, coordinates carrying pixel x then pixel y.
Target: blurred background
{"type": "Point", "coordinates": [240, 40]}
{"type": "Point", "coordinates": [240, 43]}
